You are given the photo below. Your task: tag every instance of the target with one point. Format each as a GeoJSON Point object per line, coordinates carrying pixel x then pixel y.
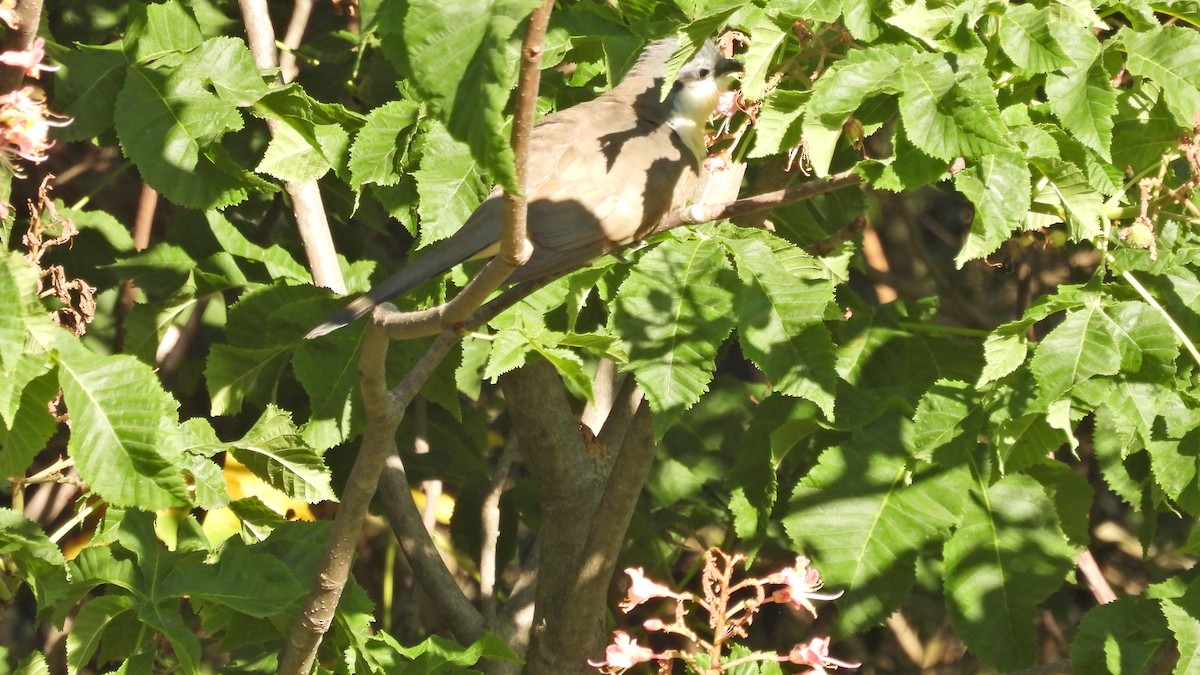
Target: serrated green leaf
{"type": "Point", "coordinates": [31, 556]}
{"type": "Point", "coordinates": [508, 352]}
{"type": "Point", "coordinates": [30, 425]}
{"type": "Point", "coordinates": [1007, 555]}
{"type": "Point", "coordinates": [841, 90]}
{"type": "Point", "coordinates": [18, 307]}
{"type": "Point", "coordinates": [86, 88]}
{"type": "Point", "coordinates": [1002, 354]}
{"type": "Point", "coordinates": [999, 188]}
{"type": "Point", "coordinates": [465, 57]}
{"type": "Point", "coordinates": [236, 374]}
{"type": "Point", "coordinates": [1084, 345]}
{"type": "Point", "coordinates": [948, 418]}
{"type": "Point", "coordinates": [155, 30]}
{"type": "Point", "coordinates": [1124, 636]}
{"type": "Point", "coordinates": [167, 125]}
{"type": "Point", "coordinates": [244, 579]}
{"type": "Point", "coordinates": [1185, 627]}
{"type": "Point", "coordinates": [118, 411]}
{"type": "Point", "coordinates": [1026, 37]}
{"type": "Point", "coordinates": [1069, 191]}
{"type": "Point", "coordinates": [1170, 56]}
{"type": "Point", "coordinates": [768, 36]}
{"type": "Point", "coordinates": [569, 366]}
{"type": "Point", "coordinates": [950, 114]}
{"type": "Point", "coordinates": [166, 619]}
{"type": "Point", "coordinates": [94, 617]}
{"type": "Point", "coordinates": [274, 450]}
{"type": "Point", "coordinates": [1081, 95]}
{"type": "Point", "coordinates": [279, 262]}
{"type": "Point", "coordinates": [449, 185]}
{"type": "Point", "coordinates": [328, 371]}
{"type": "Point", "coordinates": [289, 157]}
{"type": "Point", "coordinates": [373, 154]}
{"type": "Point", "coordinates": [673, 312]}
{"type": "Point", "coordinates": [782, 304]}
{"type": "Point", "coordinates": [778, 128]}
{"type": "Point", "coordinates": [862, 514]}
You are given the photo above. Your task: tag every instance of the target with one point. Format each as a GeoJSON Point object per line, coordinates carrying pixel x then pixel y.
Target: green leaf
{"type": "Point", "coordinates": [768, 37]}
{"type": "Point", "coordinates": [948, 114]}
{"type": "Point", "coordinates": [1125, 636]}
{"type": "Point", "coordinates": [449, 185]}
{"type": "Point", "coordinates": [122, 424]}
{"type": "Point", "coordinates": [237, 374]}
{"type": "Point", "coordinates": [244, 579]}
{"type": "Point", "coordinates": [18, 304]}
{"type": "Point", "coordinates": [842, 89]}
{"type": "Point", "coordinates": [30, 425]}
{"type": "Point", "coordinates": [778, 129]}
{"type": "Point", "coordinates": [374, 152]}
{"type": "Point", "coordinates": [275, 452]}
{"type": "Point", "coordinates": [93, 619]}
{"type": "Point", "coordinates": [1081, 347]}
{"type": "Point", "coordinates": [86, 88]}
{"type": "Point", "coordinates": [948, 416]}
{"type": "Point", "coordinates": [999, 188]}
{"type": "Point", "coordinates": [158, 29]}
{"type": "Point", "coordinates": [290, 157]}
{"type": "Point", "coordinates": [508, 351]}
{"type": "Point", "coordinates": [781, 307]}
{"type": "Point", "coordinates": [168, 125]}
{"type": "Point", "coordinates": [1066, 189]}
{"type": "Point", "coordinates": [863, 513]}
{"type": "Point", "coordinates": [464, 56]}
{"type": "Point", "coordinates": [278, 261]}
{"type": "Point", "coordinates": [166, 619]}
{"type": "Point", "coordinates": [1170, 56]}
{"type": "Point", "coordinates": [1007, 555]}
{"type": "Point", "coordinates": [1082, 95]}
{"type": "Point", "coordinates": [31, 556]}
{"type": "Point", "coordinates": [1002, 353]}
{"type": "Point", "coordinates": [673, 312]}
{"type": "Point", "coordinates": [1026, 37]}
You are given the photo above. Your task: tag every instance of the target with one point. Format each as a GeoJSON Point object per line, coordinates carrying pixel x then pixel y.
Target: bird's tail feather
{"type": "Point", "coordinates": [439, 259]}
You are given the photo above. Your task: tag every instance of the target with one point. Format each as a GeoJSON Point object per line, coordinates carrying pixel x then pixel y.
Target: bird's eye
{"type": "Point", "coordinates": [704, 73]}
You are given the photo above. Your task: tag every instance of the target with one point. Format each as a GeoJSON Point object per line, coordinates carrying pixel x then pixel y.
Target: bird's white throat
{"type": "Point", "coordinates": [692, 106]}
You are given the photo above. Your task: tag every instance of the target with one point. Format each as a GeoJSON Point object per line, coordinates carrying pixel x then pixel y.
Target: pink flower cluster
{"type": "Point", "coordinates": [798, 585]}
{"type": "Point", "coordinates": [24, 120]}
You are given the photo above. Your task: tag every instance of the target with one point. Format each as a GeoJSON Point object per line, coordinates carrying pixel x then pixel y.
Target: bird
{"type": "Point", "coordinates": [601, 174]}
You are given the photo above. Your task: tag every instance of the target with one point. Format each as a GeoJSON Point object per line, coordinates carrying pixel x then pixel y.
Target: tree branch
{"type": "Point", "coordinates": [426, 322]}
{"type": "Point", "coordinates": [19, 39]}
{"type": "Point", "coordinates": [307, 206]}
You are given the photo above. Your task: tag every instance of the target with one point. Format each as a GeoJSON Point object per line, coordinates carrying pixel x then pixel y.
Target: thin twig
{"type": "Point", "coordinates": [301, 12]}
{"type": "Point", "coordinates": [1101, 590]}
{"type": "Point", "coordinates": [307, 205]}
{"type": "Point", "coordinates": [489, 515]}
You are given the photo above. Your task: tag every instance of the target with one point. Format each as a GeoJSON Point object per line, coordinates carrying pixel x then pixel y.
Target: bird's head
{"type": "Point", "coordinates": [700, 84]}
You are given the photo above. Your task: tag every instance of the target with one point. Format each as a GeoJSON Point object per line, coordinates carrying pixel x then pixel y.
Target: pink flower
{"type": "Point", "coordinates": [8, 13]}
{"type": "Point", "coordinates": [25, 127]}
{"type": "Point", "coordinates": [623, 653]}
{"type": "Point", "coordinates": [816, 654]}
{"type": "Point", "coordinates": [642, 589]}
{"type": "Point", "coordinates": [727, 103]}
{"type": "Point", "coordinates": [800, 585]}
{"type": "Point", "coordinates": [29, 60]}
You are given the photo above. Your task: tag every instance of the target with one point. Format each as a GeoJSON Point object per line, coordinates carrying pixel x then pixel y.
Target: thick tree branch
{"type": "Point", "coordinates": [19, 39]}
{"type": "Point", "coordinates": [307, 206]}
{"type": "Point", "coordinates": [386, 409]}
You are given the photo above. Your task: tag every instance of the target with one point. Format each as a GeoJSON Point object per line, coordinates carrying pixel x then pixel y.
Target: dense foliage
{"type": "Point", "coordinates": [943, 383]}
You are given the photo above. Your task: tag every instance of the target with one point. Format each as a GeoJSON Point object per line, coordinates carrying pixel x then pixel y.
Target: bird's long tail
{"type": "Point", "coordinates": [440, 258]}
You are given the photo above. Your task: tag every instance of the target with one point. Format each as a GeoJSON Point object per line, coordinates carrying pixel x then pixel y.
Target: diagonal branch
{"type": "Point", "coordinates": [385, 409]}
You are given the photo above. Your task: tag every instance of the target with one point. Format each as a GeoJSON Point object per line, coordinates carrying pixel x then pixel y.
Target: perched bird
{"type": "Point", "coordinates": [601, 174]}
